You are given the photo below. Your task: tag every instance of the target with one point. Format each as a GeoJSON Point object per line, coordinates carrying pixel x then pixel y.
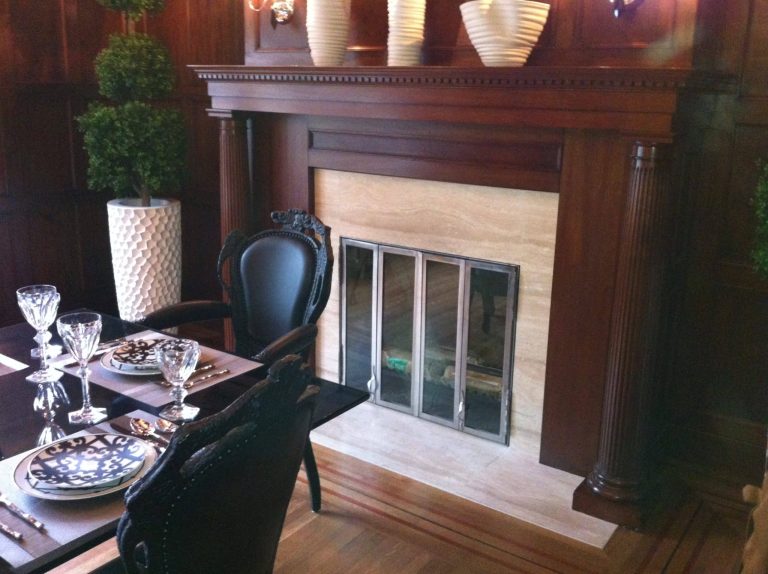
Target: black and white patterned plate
{"type": "Point", "coordinates": [21, 478]}
{"type": "Point", "coordinates": [132, 366]}
{"type": "Point", "coordinates": [136, 356]}
{"type": "Point", "coordinates": [86, 462]}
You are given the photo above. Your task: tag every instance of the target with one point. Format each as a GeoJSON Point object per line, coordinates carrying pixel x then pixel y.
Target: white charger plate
{"type": "Point", "coordinates": [20, 477]}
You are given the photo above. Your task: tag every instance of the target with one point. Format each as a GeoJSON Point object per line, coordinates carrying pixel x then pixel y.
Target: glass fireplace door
{"type": "Point", "coordinates": [430, 334]}
{"type": "Point", "coordinates": [441, 293]}
{"type": "Point", "coordinates": [395, 333]}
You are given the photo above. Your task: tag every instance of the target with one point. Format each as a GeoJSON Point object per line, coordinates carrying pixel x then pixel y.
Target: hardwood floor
{"type": "Point", "coordinates": [376, 522]}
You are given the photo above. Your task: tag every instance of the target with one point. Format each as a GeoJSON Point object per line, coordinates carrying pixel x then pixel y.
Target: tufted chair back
{"type": "Point", "coordinates": [216, 500]}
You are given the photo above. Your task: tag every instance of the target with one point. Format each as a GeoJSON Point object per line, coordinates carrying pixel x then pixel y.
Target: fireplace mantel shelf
{"type": "Point", "coordinates": [631, 100]}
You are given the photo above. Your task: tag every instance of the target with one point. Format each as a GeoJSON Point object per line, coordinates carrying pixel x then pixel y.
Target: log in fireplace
{"type": "Point", "coordinates": [601, 138]}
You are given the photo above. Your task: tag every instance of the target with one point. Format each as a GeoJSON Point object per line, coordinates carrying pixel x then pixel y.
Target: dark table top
{"type": "Point", "coordinates": [20, 425]}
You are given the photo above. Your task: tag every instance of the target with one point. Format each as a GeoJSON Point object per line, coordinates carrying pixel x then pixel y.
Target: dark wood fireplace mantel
{"type": "Point", "coordinates": [601, 137]}
{"type": "Point", "coordinates": [640, 102]}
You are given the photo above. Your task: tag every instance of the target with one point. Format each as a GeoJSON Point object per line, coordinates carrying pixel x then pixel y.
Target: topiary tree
{"type": "Point", "coordinates": [134, 147]}
{"type": "Point", "coordinates": [760, 252]}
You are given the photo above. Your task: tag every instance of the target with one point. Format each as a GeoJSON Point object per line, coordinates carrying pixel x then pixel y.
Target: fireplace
{"type": "Point", "coordinates": [515, 228]}
{"type": "Point", "coordinates": [597, 139]}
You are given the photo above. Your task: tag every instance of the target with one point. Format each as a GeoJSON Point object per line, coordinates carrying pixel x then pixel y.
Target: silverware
{"type": "Point", "coordinates": [123, 428]}
{"type": "Point", "coordinates": [202, 369]}
{"type": "Point", "coordinates": [13, 509]}
{"type": "Point", "coordinates": [8, 531]}
{"type": "Point", "coordinates": [193, 382]}
{"type": "Point", "coordinates": [145, 429]}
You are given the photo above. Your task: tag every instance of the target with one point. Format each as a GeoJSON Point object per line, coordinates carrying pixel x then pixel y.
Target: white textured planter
{"type": "Point", "coordinates": [328, 31]}
{"type": "Point", "coordinates": [146, 255]}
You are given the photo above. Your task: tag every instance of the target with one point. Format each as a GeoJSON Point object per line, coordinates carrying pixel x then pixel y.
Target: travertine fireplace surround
{"type": "Point", "coordinates": [503, 225]}
{"type": "Point", "coordinates": [595, 138]}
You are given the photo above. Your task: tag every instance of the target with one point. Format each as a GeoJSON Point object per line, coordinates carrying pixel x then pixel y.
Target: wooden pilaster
{"type": "Point", "coordinates": [235, 202]}
{"type": "Point", "coordinates": [617, 488]}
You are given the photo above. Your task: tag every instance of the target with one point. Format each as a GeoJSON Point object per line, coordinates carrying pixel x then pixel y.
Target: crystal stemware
{"type": "Point", "coordinates": [49, 398]}
{"type": "Point", "coordinates": [80, 333]}
{"type": "Point", "coordinates": [38, 304]}
{"type": "Point", "coordinates": [177, 360]}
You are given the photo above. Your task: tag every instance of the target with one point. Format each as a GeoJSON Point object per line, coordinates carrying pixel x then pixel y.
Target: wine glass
{"type": "Point", "coordinates": [80, 333]}
{"type": "Point", "coordinates": [49, 398]}
{"type": "Point", "coordinates": [38, 304]}
{"type": "Point", "coordinates": [177, 359]}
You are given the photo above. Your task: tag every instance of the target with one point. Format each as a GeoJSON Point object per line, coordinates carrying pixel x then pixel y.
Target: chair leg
{"type": "Point", "coordinates": [313, 478]}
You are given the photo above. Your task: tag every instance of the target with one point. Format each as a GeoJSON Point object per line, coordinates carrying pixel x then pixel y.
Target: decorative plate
{"type": "Point", "coordinates": [21, 478]}
{"type": "Point", "coordinates": [86, 462]}
{"type": "Point", "coordinates": [138, 355]}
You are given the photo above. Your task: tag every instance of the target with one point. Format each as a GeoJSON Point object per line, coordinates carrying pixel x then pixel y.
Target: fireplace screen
{"type": "Point", "coordinates": [430, 334]}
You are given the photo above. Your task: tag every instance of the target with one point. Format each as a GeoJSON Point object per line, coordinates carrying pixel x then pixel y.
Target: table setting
{"type": "Point", "coordinates": [110, 398]}
{"type": "Point", "coordinates": [54, 494]}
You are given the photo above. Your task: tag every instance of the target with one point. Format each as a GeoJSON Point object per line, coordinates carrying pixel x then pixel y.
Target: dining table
{"type": "Point", "coordinates": [72, 525]}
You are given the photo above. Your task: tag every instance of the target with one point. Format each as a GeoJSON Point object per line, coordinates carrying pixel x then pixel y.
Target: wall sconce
{"type": "Point", "coordinates": [282, 10]}
{"type": "Point", "coordinates": [622, 6]}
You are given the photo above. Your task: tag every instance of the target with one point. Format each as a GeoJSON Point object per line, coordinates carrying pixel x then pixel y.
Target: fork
{"type": "Point", "coordinates": [25, 516]}
{"type": "Point", "coordinates": [193, 382]}
{"type": "Point", "coordinates": [8, 531]}
{"type": "Point", "coordinates": [202, 369]}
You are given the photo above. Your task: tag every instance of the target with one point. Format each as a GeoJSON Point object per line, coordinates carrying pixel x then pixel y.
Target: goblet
{"type": "Point", "coordinates": [177, 359]}
{"type": "Point", "coordinates": [38, 304]}
{"type": "Point", "coordinates": [49, 398]}
{"type": "Point", "coordinates": [80, 333]}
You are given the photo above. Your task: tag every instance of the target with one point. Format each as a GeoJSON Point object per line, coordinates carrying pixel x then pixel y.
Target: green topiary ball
{"type": "Point", "coordinates": [133, 8]}
{"type": "Point", "coordinates": [134, 67]}
{"type": "Point", "coordinates": [134, 148]}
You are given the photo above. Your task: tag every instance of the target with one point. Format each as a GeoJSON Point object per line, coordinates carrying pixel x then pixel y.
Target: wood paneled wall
{"type": "Point", "coordinates": [52, 228]}
{"type": "Point", "coordinates": [718, 351]}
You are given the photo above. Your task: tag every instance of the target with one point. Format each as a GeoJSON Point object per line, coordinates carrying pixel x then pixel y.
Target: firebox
{"type": "Point", "coordinates": [430, 334]}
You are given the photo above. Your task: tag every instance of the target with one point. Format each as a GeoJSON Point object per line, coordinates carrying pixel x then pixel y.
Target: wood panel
{"type": "Point", "coordinates": [455, 153]}
{"type": "Point", "coordinates": [583, 33]}
{"type": "Point", "coordinates": [588, 237]}
{"type": "Point", "coordinates": [718, 361]}
{"type": "Point", "coordinates": [46, 79]}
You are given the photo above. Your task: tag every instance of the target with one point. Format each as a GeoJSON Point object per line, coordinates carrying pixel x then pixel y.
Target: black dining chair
{"type": "Point", "coordinates": [278, 282]}
{"type": "Point", "coordinates": [217, 498]}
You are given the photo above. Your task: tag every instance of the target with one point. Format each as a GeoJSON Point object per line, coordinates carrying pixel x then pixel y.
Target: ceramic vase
{"type": "Point", "coordinates": [328, 30]}
{"type": "Point", "coordinates": [406, 32]}
{"type": "Point", "coordinates": [146, 255]}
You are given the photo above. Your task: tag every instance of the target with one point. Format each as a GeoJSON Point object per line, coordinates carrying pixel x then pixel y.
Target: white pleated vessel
{"type": "Point", "coordinates": [328, 31]}
{"type": "Point", "coordinates": [406, 31]}
{"type": "Point", "coordinates": [504, 32]}
{"type": "Point", "coordinates": [146, 255]}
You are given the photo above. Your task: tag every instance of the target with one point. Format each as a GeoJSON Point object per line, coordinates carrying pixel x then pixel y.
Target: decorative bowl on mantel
{"type": "Point", "coordinates": [504, 32]}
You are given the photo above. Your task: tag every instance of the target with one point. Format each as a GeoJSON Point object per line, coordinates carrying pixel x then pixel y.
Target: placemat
{"type": "Point", "coordinates": [10, 365]}
{"type": "Point", "coordinates": [65, 522]}
{"type": "Point", "coordinates": [145, 388]}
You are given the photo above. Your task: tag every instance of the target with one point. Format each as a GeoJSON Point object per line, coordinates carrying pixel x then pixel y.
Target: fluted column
{"type": "Point", "coordinates": [617, 487]}
{"type": "Point", "coordinates": [233, 177]}
{"type": "Point", "coordinates": [234, 196]}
